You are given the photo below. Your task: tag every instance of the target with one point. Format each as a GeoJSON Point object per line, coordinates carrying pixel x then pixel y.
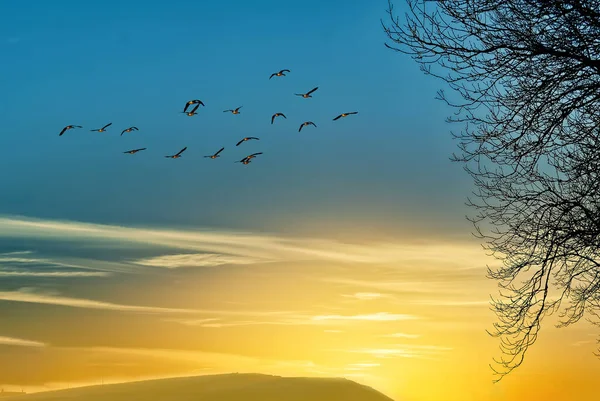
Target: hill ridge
{"type": "Point", "coordinates": [218, 387]}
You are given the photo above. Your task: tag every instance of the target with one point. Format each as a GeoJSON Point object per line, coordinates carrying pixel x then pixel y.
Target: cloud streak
{"type": "Point", "coordinates": [56, 274]}
{"type": "Point", "coordinates": [442, 302]}
{"type": "Point", "coordinates": [196, 260]}
{"type": "Point", "coordinates": [373, 317]}
{"type": "Point", "coordinates": [402, 351]}
{"type": "Point", "coordinates": [210, 247]}
{"type": "Point", "coordinates": [296, 319]}
{"type": "Point", "coordinates": [30, 296]}
{"type": "Point", "coordinates": [20, 342]}
{"type": "Point", "coordinates": [20, 262]}
{"type": "Point", "coordinates": [38, 298]}
{"type": "Point", "coordinates": [364, 296]}
{"type": "Point", "coordinates": [400, 335]}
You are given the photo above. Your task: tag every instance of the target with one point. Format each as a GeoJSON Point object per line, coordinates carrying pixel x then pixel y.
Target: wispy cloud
{"type": "Point", "coordinates": [39, 298]}
{"type": "Point", "coordinates": [403, 286]}
{"type": "Point", "coordinates": [30, 296]}
{"type": "Point", "coordinates": [442, 302]}
{"type": "Point", "coordinates": [217, 323]}
{"type": "Point", "coordinates": [361, 366]}
{"type": "Point", "coordinates": [21, 264]}
{"type": "Point", "coordinates": [582, 342]}
{"type": "Point", "coordinates": [364, 296]}
{"type": "Point", "coordinates": [402, 351]}
{"type": "Point", "coordinates": [13, 273]}
{"type": "Point", "coordinates": [400, 335]}
{"type": "Point", "coordinates": [241, 247]}
{"type": "Point", "coordinates": [20, 342]}
{"type": "Point", "coordinates": [196, 260]}
{"type": "Point", "coordinates": [294, 319]}
{"type": "Point", "coordinates": [193, 322]}
{"type": "Point", "coordinates": [215, 361]}
{"type": "Point", "coordinates": [373, 317]}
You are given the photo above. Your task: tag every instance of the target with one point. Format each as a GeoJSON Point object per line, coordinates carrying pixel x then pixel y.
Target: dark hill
{"type": "Point", "coordinates": [227, 387]}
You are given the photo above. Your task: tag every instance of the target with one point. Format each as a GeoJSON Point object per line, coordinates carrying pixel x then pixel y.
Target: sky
{"type": "Point", "coordinates": [342, 250]}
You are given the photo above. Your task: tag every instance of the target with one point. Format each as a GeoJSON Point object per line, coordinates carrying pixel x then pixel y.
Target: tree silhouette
{"type": "Point", "coordinates": [525, 75]}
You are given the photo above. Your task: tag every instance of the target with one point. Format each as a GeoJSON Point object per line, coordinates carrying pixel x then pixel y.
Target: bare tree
{"type": "Point", "coordinates": [525, 75]}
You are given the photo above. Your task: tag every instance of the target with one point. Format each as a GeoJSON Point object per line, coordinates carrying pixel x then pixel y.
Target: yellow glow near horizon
{"type": "Point", "coordinates": [407, 319]}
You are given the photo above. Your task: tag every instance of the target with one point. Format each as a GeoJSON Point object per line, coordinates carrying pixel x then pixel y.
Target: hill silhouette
{"type": "Point", "coordinates": [223, 387]}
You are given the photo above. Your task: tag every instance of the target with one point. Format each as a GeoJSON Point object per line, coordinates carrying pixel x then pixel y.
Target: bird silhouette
{"type": "Point", "coordinates": [249, 158]}
{"type": "Point", "coordinates": [279, 74]}
{"type": "Point", "coordinates": [216, 154]}
{"type": "Point", "coordinates": [307, 94]}
{"type": "Point", "coordinates": [253, 155]}
{"type": "Point", "coordinates": [345, 115]}
{"type": "Point", "coordinates": [129, 130]}
{"type": "Point", "coordinates": [68, 127]}
{"type": "Point", "coordinates": [103, 128]}
{"type": "Point", "coordinates": [246, 139]}
{"type": "Point", "coordinates": [189, 103]}
{"type": "Point", "coordinates": [178, 154]}
{"type": "Point", "coordinates": [193, 112]}
{"type": "Point", "coordinates": [233, 111]}
{"type": "Point", "coordinates": [277, 115]}
{"type": "Point", "coordinates": [134, 151]}
{"type": "Point", "coordinates": [304, 124]}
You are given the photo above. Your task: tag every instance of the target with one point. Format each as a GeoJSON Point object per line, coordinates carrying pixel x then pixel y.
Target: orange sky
{"type": "Point", "coordinates": [83, 303]}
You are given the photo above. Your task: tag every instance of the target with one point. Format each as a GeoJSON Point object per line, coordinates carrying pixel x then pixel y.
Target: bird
{"type": "Point", "coordinates": [253, 155]}
{"type": "Point", "coordinates": [189, 103]}
{"type": "Point", "coordinates": [129, 130]}
{"type": "Point", "coordinates": [248, 158]}
{"type": "Point", "coordinates": [345, 115]}
{"type": "Point", "coordinates": [193, 112]}
{"type": "Point", "coordinates": [277, 115]}
{"type": "Point", "coordinates": [134, 151]}
{"type": "Point", "coordinates": [103, 128]}
{"type": "Point", "coordinates": [178, 154]}
{"type": "Point", "coordinates": [244, 161]}
{"type": "Point", "coordinates": [68, 127]}
{"type": "Point", "coordinates": [246, 139]}
{"type": "Point", "coordinates": [305, 124]}
{"type": "Point", "coordinates": [279, 74]}
{"type": "Point", "coordinates": [307, 94]}
{"type": "Point", "coordinates": [236, 111]}
{"type": "Point", "coordinates": [216, 154]}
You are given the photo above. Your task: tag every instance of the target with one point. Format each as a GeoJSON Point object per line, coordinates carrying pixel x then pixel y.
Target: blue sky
{"type": "Point", "coordinates": [137, 63]}
{"type": "Point", "coordinates": [311, 245]}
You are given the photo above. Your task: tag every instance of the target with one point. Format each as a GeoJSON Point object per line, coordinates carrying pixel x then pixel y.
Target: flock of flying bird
{"type": "Point", "coordinates": [246, 160]}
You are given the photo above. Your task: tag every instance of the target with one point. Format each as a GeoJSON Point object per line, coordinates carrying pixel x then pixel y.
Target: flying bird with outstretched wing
{"type": "Point", "coordinates": [304, 124]}
{"type": "Point", "coordinates": [246, 139]}
{"type": "Point", "coordinates": [68, 127]}
{"type": "Point", "coordinates": [279, 74]}
{"type": "Point", "coordinates": [193, 112]}
{"type": "Point", "coordinates": [277, 115]}
{"type": "Point", "coordinates": [345, 115]}
{"type": "Point", "coordinates": [307, 94]}
{"type": "Point", "coordinates": [102, 129]}
{"type": "Point", "coordinates": [134, 151]}
{"type": "Point", "coordinates": [249, 158]}
{"type": "Point", "coordinates": [129, 130]}
{"type": "Point", "coordinates": [178, 154]}
{"type": "Point", "coordinates": [191, 102]}
{"type": "Point", "coordinates": [216, 154]}
{"type": "Point", "coordinates": [233, 111]}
